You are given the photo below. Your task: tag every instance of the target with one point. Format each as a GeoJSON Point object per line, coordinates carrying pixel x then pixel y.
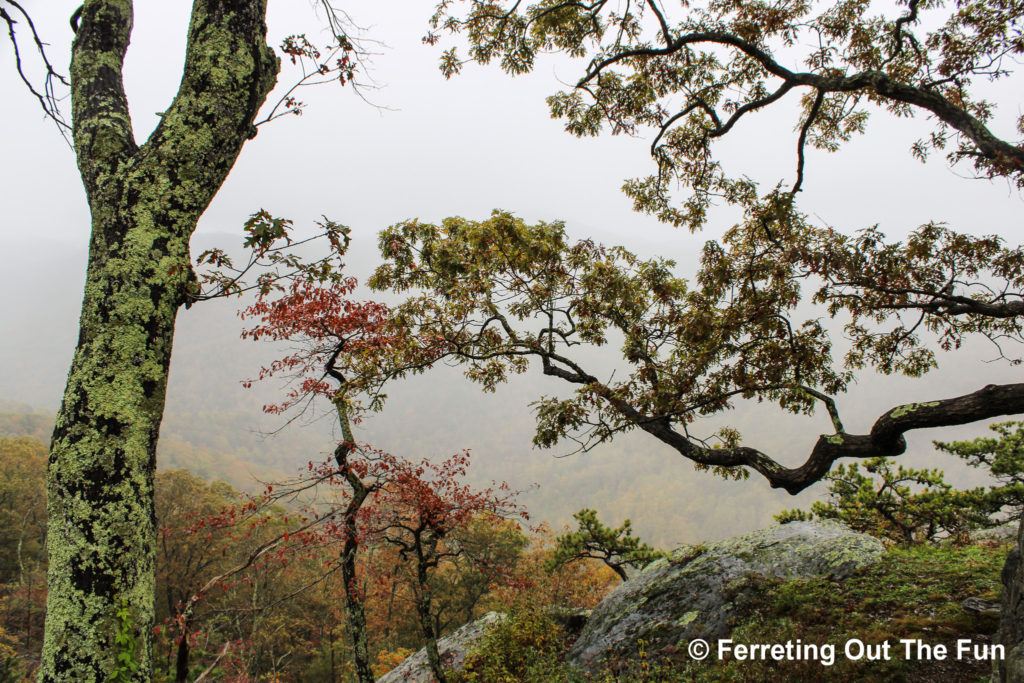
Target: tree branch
{"type": "Point", "coordinates": [100, 121]}
{"type": "Point", "coordinates": [989, 146]}
{"type": "Point", "coordinates": [47, 98]}
{"type": "Point", "coordinates": [884, 439]}
{"type": "Point", "coordinates": [211, 117]}
{"type": "Point", "coordinates": [802, 141]}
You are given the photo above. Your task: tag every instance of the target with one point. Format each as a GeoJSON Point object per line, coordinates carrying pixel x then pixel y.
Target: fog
{"type": "Point", "coordinates": [412, 144]}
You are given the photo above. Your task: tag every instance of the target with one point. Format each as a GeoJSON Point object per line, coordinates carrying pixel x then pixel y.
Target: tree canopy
{"type": "Point", "coordinates": [687, 78]}
{"type": "Point", "coordinates": [691, 74]}
{"type": "Point", "coordinates": [494, 294]}
{"type": "Point", "coordinates": [618, 548]}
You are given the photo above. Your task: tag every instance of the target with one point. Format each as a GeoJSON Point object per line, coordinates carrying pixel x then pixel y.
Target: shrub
{"type": "Point", "coordinates": [526, 647]}
{"type": "Point", "coordinates": [902, 506]}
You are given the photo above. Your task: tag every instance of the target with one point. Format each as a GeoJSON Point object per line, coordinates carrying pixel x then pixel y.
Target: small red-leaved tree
{"type": "Point", "coordinates": [346, 350]}
{"type": "Point", "coordinates": [309, 303]}
{"type": "Point", "coordinates": [335, 334]}
{"type": "Point", "coordinates": [355, 475]}
{"type": "Point", "coordinates": [420, 510]}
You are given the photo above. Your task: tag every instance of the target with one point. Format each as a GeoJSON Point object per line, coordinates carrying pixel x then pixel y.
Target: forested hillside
{"type": "Point", "coordinates": [278, 616]}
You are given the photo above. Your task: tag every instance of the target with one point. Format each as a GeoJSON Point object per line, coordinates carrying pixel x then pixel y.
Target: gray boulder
{"type": "Point", "coordinates": [453, 648]}
{"type": "Point", "coordinates": [696, 591]}
{"type": "Point", "coordinates": [1011, 617]}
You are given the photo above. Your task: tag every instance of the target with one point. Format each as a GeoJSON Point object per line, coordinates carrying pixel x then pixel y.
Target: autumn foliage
{"type": "Point", "coordinates": [367, 502]}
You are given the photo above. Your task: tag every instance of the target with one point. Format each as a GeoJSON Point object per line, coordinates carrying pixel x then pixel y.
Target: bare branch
{"type": "Point", "coordinates": [48, 99]}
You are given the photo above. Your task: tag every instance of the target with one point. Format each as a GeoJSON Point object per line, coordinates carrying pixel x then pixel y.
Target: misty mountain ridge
{"type": "Point", "coordinates": [217, 428]}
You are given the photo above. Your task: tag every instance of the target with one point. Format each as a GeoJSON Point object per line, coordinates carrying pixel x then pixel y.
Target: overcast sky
{"type": "Point", "coordinates": [461, 147]}
{"type": "Point", "coordinates": [433, 148]}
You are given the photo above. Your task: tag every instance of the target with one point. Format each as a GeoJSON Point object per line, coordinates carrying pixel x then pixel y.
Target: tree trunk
{"type": "Point", "coordinates": [617, 568]}
{"type": "Point", "coordinates": [29, 610]}
{"type": "Point", "coordinates": [355, 613]}
{"type": "Point", "coordinates": [330, 641]}
{"type": "Point", "coordinates": [181, 661]}
{"type": "Point", "coordinates": [423, 605]}
{"type": "Point", "coordinates": [145, 202]}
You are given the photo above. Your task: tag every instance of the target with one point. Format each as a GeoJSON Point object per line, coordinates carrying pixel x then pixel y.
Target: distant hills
{"type": "Point", "coordinates": [215, 427]}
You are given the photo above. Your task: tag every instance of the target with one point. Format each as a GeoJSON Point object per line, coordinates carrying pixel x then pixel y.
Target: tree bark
{"type": "Point", "coordinates": [145, 203]}
{"type": "Point", "coordinates": [181, 659]}
{"type": "Point", "coordinates": [617, 568]}
{"type": "Point", "coordinates": [884, 439]}
{"type": "Point", "coordinates": [423, 605]}
{"type": "Point", "coordinates": [355, 613]}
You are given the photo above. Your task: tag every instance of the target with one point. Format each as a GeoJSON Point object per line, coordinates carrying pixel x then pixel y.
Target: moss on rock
{"type": "Point", "coordinates": [697, 592]}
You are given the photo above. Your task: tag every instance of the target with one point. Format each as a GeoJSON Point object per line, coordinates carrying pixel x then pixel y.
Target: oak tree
{"type": "Point", "coordinates": [494, 294]}
{"type": "Point", "coordinates": [420, 512]}
{"type": "Point", "coordinates": [687, 77]}
{"type": "Point", "coordinates": [690, 74]}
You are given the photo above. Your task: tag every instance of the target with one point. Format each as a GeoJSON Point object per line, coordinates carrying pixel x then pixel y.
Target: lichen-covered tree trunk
{"type": "Point", "coordinates": [145, 202]}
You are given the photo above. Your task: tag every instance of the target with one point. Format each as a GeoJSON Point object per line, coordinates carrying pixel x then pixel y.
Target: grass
{"type": "Point", "coordinates": [912, 594]}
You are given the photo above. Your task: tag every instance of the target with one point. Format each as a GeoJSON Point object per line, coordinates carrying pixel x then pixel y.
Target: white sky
{"type": "Point", "coordinates": [461, 147]}
{"type": "Point", "coordinates": [465, 146]}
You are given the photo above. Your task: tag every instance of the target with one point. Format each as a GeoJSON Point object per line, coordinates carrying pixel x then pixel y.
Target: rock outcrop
{"type": "Point", "coordinates": [1011, 616]}
{"type": "Point", "coordinates": [696, 591]}
{"type": "Point", "coordinates": [453, 648]}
